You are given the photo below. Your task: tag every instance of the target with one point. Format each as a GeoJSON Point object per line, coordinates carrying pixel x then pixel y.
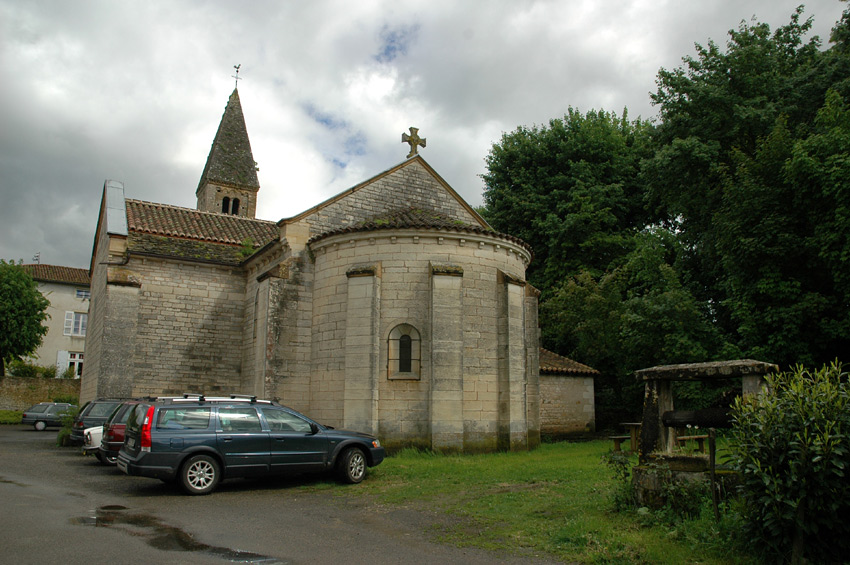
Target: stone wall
{"type": "Point", "coordinates": [567, 405]}
{"type": "Point", "coordinates": [20, 393]}
{"type": "Point", "coordinates": [189, 329]}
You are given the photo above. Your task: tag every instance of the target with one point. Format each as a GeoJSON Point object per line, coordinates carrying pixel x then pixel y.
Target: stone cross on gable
{"type": "Point", "coordinates": [413, 140]}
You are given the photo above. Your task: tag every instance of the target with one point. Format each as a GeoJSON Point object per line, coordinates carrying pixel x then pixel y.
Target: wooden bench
{"type": "Point", "coordinates": [682, 440]}
{"type": "Point", "coordinates": [619, 440]}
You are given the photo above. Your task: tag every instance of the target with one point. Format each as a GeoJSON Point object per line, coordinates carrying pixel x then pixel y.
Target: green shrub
{"type": "Point", "coordinates": [69, 398]}
{"type": "Point", "coordinates": [26, 370]}
{"type": "Point", "coordinates": [68, 373]}
{"type": "Point", "coordinates": [790, 446]}
{"type": "Point", "coordinates": [11, 416]}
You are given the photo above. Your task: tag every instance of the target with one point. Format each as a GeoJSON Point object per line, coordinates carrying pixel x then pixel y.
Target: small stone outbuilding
{"type": "Point", "coordinates": [567, 406]}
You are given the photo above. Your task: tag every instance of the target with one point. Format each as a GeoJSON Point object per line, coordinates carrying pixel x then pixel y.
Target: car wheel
{"type": "Point", "coordinates": [99, 457]}
{"type": "Point", "coordinates": [200, 474]}
{"type": "Point", "coordinates": [40, 426]}
{"type": "Point", "coordinates": [351, 466]}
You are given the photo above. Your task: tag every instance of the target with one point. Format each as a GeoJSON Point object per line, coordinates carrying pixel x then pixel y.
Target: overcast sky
{"type": "Point", "coordinates": [134, 91]}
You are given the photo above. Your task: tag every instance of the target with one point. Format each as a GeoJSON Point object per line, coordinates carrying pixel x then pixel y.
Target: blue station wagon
{"type": "Point", "coordinates": [200, 441]}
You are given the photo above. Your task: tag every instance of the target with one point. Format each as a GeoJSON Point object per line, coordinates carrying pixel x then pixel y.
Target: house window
{"type": "Point", "coordinates": [75, 363]}
{"type": "Point", "coordinates": [404, 353]}
{"type": "Point", "coordinates": [75, 323]}
{"type": "Point", "coordinates": [83, 294]}
{"type": "Point", "coordinates": [234, 209]}
{"type": "Point", "coordinates": [225, 205]}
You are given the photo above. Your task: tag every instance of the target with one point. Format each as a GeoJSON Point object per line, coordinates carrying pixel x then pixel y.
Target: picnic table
{"type": "Point", "coordinates": [634, 431]}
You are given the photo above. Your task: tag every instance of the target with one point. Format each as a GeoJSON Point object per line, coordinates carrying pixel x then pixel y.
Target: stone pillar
{"type": "Point", "coordinates": [360, 398]}
{"type": "Point", "coordinates": [446, 358]}
{"type": "Point", "coordinates": [657, 399]}
{"type": "Point", "coordinates": [513, 416]}
{"type": "Point", "coordinates": [532, 349]}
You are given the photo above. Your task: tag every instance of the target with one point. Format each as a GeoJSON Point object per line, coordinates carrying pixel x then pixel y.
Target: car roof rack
{"type": "Point", "coordinates": [251, 397]}
{"type": "Point", "coordinates": [199, 396]}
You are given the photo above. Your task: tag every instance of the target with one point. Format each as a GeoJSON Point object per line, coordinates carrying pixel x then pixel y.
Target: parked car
{"type": "Point", "coordinates": [199, 441]}
{"type": "Point", "coordinates": [93, 413]}
{"type": "Point", "coordinates": [91, 443]}
{"type": "Point", "coordinates": [113, 433]}
{"type": "Point", "coordinates": [45, 414]}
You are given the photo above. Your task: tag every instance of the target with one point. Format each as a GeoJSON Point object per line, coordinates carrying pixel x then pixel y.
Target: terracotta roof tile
{"type": "Point", "coordinates": [182, 232]}
{"type": "Point", "coordinates": [552, 363]}
{"type": "Point", "coordinates": [417, 218]}
{"type": "Point", "coordinates": [55, 273]}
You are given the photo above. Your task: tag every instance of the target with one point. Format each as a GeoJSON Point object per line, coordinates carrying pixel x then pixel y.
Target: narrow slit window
{"type": "Point", "coordinates": [234, 208]}
{"type": "Point", "coordinates": [225, 205]}
{"type": "Point", "coordinates": [404, 354]}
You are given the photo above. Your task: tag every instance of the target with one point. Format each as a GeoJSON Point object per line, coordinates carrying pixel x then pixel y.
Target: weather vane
{"type": "Point", "coordinates": [236, 76]}
{"type": "Point", "coordinates": [413, 140]}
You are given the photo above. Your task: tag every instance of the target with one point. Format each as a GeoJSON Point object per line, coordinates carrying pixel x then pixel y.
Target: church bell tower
{"type": "Point", "coordinates": [229, 183]}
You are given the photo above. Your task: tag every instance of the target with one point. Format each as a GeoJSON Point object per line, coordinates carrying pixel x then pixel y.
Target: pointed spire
{"type": "Point", "coordinates": [230, 161]}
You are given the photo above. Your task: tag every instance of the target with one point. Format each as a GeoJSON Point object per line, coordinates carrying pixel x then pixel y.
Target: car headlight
{"type": "Point", "coordinates": [376, 443]}
{"type": "Point", "coordinates": [88, 438]}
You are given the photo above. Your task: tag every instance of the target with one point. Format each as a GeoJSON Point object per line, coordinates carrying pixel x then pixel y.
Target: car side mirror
{"type": "Point", "coordinates": [314, 429]}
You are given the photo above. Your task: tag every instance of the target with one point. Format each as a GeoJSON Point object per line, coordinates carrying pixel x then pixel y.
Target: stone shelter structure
{"type": "Point", "coordinates": [67, 289]}
{"type": "Point", "coordinates": [391, 308]}
{"type": "Point", "coordinates": [567, 406]}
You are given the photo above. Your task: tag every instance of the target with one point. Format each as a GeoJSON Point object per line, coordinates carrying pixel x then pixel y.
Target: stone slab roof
{"type": "Point", "coordinates": [706, 371]}
{"type": "Point", "coordinates": [418, 218]}
{"type": "Point", "coordinates": [58, 274]}
{"type": "Point", "coordinates": [552, 364]}
{"type": "Point", "coordinates": [160, 229]}
{"type": "Point", "coordinates": [230, 160]}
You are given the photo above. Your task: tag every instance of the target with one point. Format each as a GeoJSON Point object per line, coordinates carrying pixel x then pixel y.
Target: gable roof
{"type": "Point", "coordinates": [58, 274]}
{"type": "Point", "coordinates": [164, 230]}
{"type": "Point", "coordinates": [552, 363]}
{"type": "Point", "coordinates": [230, 161]}
{"type": "Point", "coordinates": [417, 218]}
{"type": "Point", "coordinates": [416, 159]}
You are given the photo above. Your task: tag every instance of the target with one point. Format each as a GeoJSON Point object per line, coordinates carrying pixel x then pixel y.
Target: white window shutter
{"type": "Point", "coordinates": [69, 322]}
{"type": "Point", "coordinates": [62, 359]}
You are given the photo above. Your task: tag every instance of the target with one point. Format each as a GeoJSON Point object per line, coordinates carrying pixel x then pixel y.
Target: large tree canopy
{"type": "Point", "coordinates": [723, 230]}
{"type": "Point", "coordinates": [728, 175]}
{"type": "Point", "coordinates": [570, 190]}
{"type": "Point", "coordinates": [22, 311]}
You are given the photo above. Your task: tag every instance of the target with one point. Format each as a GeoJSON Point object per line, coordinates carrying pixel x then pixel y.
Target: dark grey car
{"type": "Point", "coordinates": [199, 441]}
{"type": "Point", "coordinates": [45, 414]}
{"type": "Point", "coordinates": [93, 413]}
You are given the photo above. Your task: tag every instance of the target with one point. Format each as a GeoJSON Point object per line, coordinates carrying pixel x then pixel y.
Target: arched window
{"type": "Point", "coordinates": [225, 205]}
{"type": "Point", "coordinates": [234, 208]}
{"type": "Point", "coordinates": [404, 353]}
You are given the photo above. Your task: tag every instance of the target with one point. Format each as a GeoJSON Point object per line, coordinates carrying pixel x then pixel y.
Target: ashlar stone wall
{"type": "Point", "coordinates": [472, 380]}
{"type": "Point", "coordinates": [567, 406]}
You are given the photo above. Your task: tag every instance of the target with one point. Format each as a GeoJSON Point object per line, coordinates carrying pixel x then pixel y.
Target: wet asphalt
{"type": "Point", "coordinates": [58, 506]}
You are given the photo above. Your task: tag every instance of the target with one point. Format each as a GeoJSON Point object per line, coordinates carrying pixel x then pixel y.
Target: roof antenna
{"type": "Point", "coordinates": [236, 76]}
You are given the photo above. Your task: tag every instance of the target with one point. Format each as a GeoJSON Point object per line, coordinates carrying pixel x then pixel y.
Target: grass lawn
{"type": "Point", "coordinates": [556, 500]}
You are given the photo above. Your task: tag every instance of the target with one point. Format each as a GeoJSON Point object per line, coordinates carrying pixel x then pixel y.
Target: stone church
{"type": "Point", "coordinates": [391, 308]}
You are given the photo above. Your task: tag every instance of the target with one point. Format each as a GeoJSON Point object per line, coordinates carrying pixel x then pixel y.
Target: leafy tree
{"type": "Point", "coordinates": [570, 190]}
{"type": "Point", "coordinates": [636, 316]}
{"type": "Point", "coordinates": [22, 311]}
{"type": "Point", "coordinates": [730, 121]}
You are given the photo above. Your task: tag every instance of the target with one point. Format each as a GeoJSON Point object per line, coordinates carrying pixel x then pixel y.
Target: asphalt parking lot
{"type": "Point", "coordinates": [60, 506]}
